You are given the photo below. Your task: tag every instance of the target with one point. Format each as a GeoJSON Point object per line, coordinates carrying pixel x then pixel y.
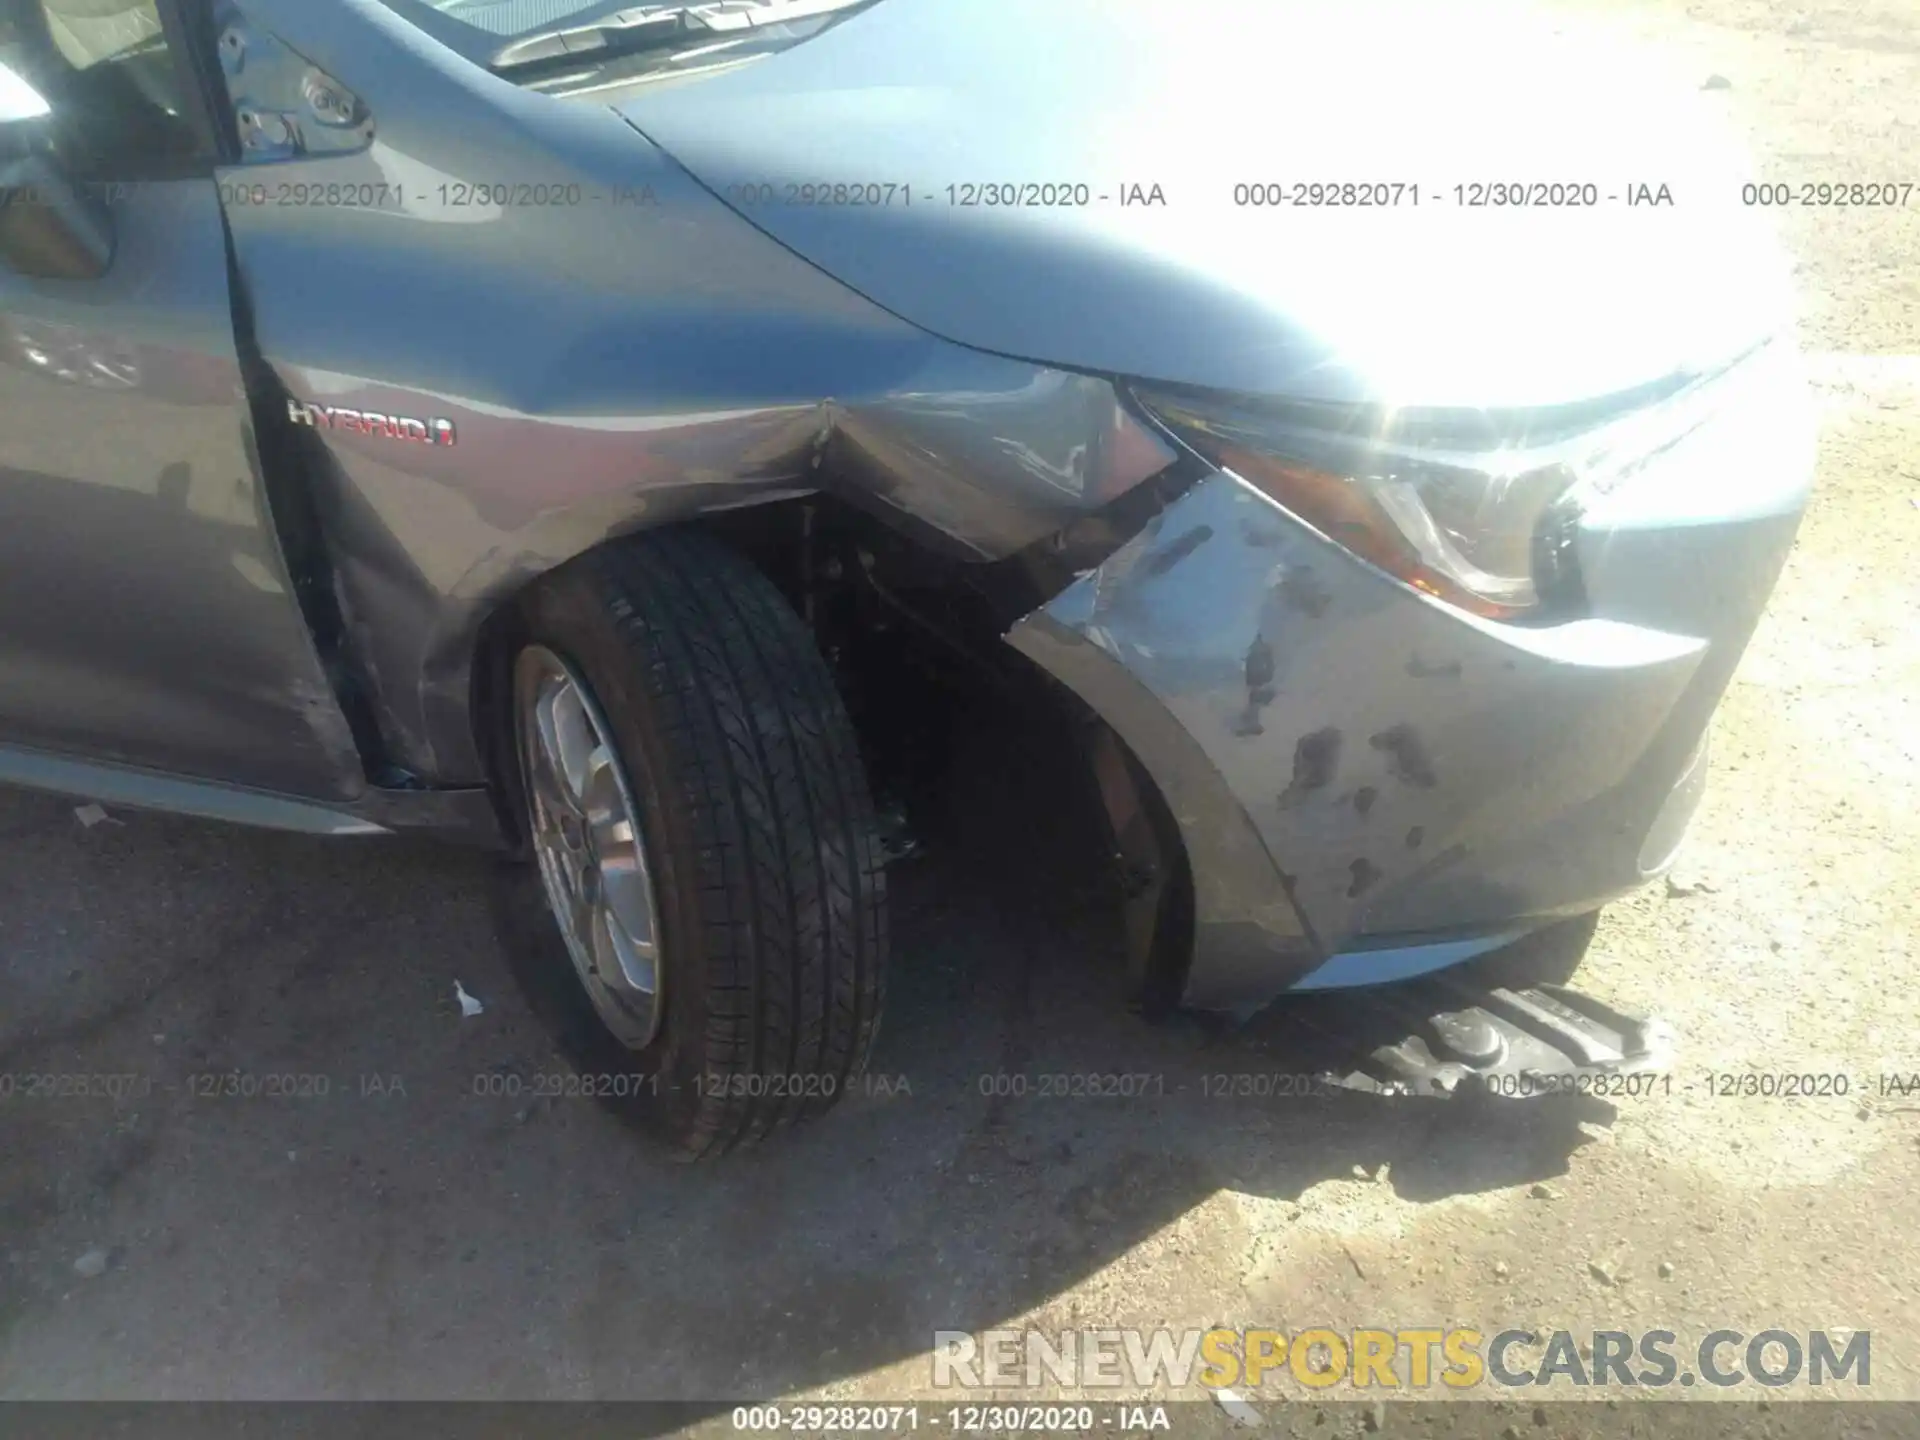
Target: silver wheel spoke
{"type": "Point", "coordinates": [600, 799]}
{"type": "Point", "coordinates": [564, 743]}
{"type": "Point", "coordinates": [625, 896]}
{"type": "Point", "coordinates": [548, 784]}
{"type": "Point", "coordinates": [611, 965]}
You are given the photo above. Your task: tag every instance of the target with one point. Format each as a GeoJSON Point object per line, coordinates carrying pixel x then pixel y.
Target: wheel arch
{"type": "Point", "coordinates": [809, 543]}
{"type": "Point", "coordinates": [768, 524]}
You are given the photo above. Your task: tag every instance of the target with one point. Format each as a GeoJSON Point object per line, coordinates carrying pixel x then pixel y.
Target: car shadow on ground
{"type": "Point", "coordinates": [973, 1177]}
{"type": "Point", "coordinates": [450, 1218]}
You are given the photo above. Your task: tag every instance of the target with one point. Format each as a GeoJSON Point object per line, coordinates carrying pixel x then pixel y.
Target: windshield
{"type": "Point", "coordinates": [551, 42]}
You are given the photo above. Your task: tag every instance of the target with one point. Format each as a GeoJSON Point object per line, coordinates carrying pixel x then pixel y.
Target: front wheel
{"type": "Point", "coordinates": [696, 804]}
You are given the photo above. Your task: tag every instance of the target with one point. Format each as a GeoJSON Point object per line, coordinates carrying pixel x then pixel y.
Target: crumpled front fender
{"type": "Point", "coordinates": [1345, 757]}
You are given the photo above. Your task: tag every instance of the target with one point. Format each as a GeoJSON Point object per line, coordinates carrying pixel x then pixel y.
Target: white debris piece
{"type": "Point", "coordinates": [92, 1265]}
{"type": "Point", "coordinates": [1237, 1408]}
{"type": "Point", "coordinates": [469, 1007]}
{"type": "Point", "coordinates": [91, 815]}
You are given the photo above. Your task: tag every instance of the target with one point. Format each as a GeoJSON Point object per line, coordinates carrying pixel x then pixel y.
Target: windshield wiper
{"type": "Point", "coordinates": [654, 27]}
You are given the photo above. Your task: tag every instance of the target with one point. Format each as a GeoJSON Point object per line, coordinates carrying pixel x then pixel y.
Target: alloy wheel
{"type": "Point", "coordinates": [586, 835]}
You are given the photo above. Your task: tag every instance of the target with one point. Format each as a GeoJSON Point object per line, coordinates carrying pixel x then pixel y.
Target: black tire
{"type": "Point", "coordinates": [758, 826]}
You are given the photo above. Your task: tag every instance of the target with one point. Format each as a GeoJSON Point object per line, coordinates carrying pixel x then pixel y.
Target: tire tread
{"type": "Point", "coordinates": [787, 866]}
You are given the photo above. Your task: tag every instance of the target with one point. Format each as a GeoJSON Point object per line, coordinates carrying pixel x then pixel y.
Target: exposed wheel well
{"type": "Point", "coordinates": [912, 635]}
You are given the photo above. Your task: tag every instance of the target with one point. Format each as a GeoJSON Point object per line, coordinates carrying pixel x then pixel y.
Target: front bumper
{"type": "Point", "coordinates": [1369, 782]}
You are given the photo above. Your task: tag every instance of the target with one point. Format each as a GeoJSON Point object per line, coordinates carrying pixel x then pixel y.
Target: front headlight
{"type": "Point", "coordinates": [1473, 508]}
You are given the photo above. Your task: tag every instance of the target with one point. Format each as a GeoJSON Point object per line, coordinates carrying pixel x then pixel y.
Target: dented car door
{"type": "Point", "coordinates": [147, 615]}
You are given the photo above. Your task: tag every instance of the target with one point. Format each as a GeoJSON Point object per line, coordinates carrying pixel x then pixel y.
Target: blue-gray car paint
{"type": "Point", "coordinates": [1435, 304]}
{"type": "Point", "coordinates": [149, 613]}
{"type": "Point", "coordinates": [612, 365]}
{"type": "Point", "coordinates": [608, 366]}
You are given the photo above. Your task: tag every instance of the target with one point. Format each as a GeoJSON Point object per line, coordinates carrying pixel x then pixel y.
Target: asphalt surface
{"type": "Point", "coordinates": [431, 1227]}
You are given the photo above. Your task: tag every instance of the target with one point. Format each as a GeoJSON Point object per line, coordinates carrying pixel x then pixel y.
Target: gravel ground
{"type": "Point", "coordinates": [403, 1236]}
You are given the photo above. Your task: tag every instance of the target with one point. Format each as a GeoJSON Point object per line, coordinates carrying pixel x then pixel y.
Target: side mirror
{"type": "Point", "coordinates": [50, 227]}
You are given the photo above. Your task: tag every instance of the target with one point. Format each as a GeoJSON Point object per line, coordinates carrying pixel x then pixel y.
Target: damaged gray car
{"type": "Point", "coordinates": [517, 419]}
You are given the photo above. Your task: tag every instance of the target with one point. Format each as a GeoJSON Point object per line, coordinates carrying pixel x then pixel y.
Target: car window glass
{"type": "Point", "coordinates": [119, 95]}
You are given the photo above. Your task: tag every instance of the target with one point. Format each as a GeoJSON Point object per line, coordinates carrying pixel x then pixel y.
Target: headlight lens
{"type": "Point", "coordinates": [1472, 508]}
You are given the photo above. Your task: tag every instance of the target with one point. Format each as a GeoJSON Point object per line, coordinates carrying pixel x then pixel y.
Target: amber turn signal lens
{"type": "Point", "coordinates": [1352, 516]}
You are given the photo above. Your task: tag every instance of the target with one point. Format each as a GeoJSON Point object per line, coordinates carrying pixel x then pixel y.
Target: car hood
{"type": "Point", "coordinates": [1162, 110]}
